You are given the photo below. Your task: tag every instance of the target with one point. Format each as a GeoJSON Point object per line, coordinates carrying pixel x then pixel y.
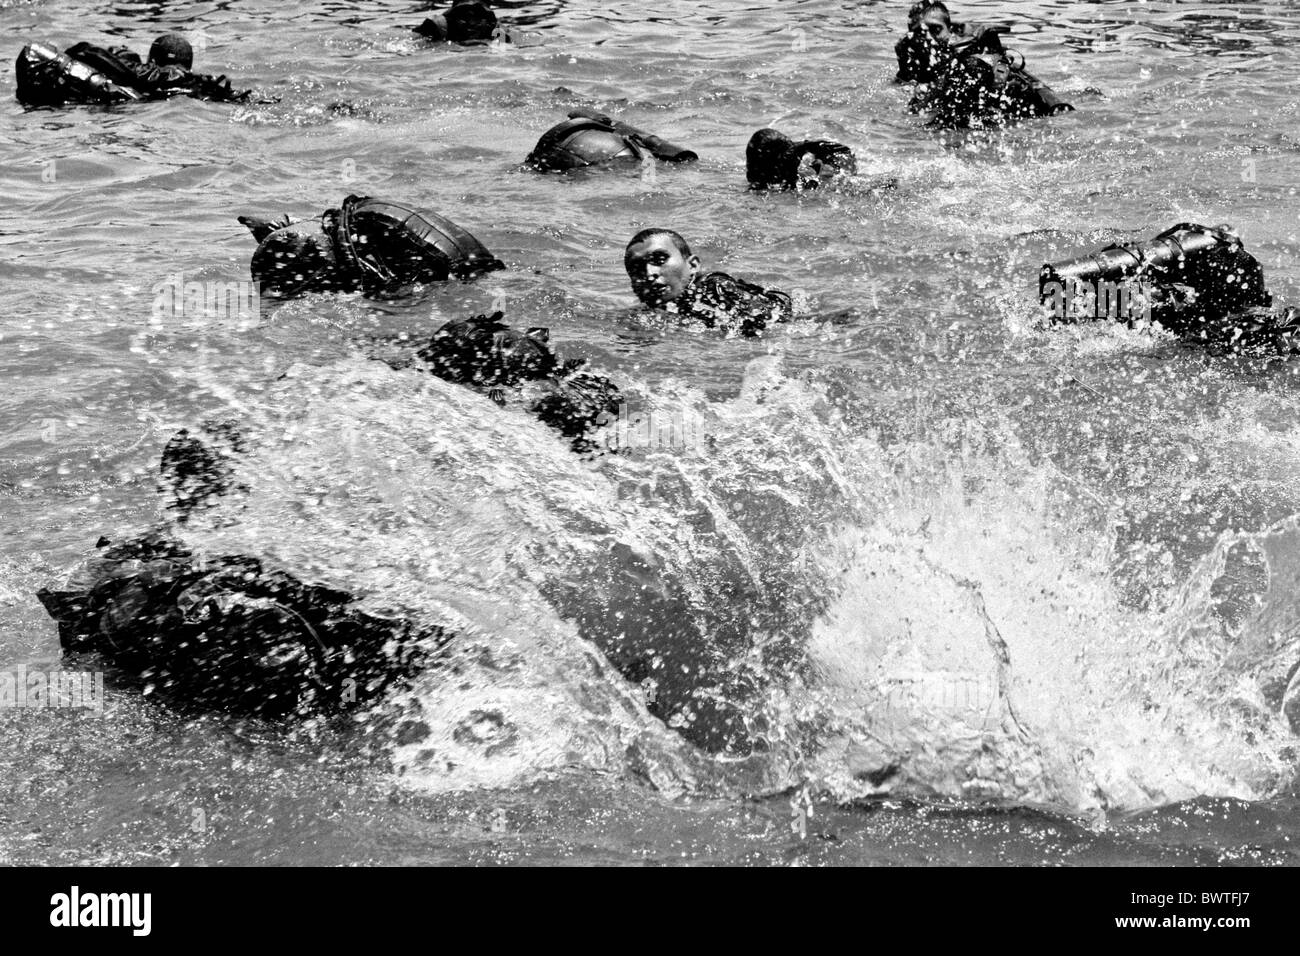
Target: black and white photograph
{"type": "Point", "coordinates": [704, 433]}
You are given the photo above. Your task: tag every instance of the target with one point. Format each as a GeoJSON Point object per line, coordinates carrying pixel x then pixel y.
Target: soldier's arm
{"type": "Point", "coordinates": [749, 308]}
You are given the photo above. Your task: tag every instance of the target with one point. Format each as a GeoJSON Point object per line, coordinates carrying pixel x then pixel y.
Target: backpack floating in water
{"type": "Point", "coordinates": [46, 77]}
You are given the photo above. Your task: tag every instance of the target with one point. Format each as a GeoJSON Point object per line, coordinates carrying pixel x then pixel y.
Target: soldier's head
{"type": "Point", "coordinates": [774, 161]}
{"type": "Point", "coordinates": [932, 18]}
{"type": "Point", "coordinates": [661, 265]}
{"type": "Point", "coordinates": [172, 49]}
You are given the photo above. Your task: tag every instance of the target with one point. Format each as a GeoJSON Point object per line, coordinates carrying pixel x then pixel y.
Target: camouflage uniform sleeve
{"type": "Point", "coordinates": [742, 307]}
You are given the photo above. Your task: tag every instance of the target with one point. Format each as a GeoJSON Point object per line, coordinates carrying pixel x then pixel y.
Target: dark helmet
{"type": "Point", "coordinates": [773, 160]}
{"type": "Point", "coordinates": [172, 49]}
{"type": "Point", "coordinates": [470, 20]}
{"type": "Point", "coordinates": [289, 262]}
{"type": "Point", "coordinates": [582, 142]}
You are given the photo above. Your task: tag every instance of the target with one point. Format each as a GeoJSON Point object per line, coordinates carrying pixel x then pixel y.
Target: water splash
{"type": "Point", "coordinates": [935, 617]}
{"type": "Point", "coordinates": [979, 649]}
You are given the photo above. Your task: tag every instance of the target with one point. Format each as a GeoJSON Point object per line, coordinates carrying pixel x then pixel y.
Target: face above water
{"type": "Point", "coordinates": [658, 270]}
{"type": "Point", "coordinates": [937, 26]}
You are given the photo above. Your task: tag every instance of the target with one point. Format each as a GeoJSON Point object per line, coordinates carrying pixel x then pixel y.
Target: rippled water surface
{"type": "Point", "coordinates": [996, 592]}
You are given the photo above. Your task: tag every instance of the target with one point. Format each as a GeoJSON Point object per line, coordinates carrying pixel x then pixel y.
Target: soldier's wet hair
{"type": "Point", "coordinates": [682, 245]}
{"type": "Point", "coordinates": [919, 10]}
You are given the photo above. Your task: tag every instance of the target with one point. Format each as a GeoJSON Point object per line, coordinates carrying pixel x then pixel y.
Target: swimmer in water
{"type": "Point", "coordinates": [466, 22]}
{"type": "Point", "coordinates": [1195, 281]}
{"type": "Point", "coordinates": [91, 74]}
{"type": "Point", "coordinates": [773, 161]}
{"type": "Point", "coordinates": [930, 32]}
{"type": "Point", "coordinates": [968, 78]}
{"type": "Point", "coordinates": [666, 276]}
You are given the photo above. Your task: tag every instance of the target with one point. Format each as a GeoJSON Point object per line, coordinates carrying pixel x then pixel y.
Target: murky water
{"type": "Point", "coordinates": [993, 592]}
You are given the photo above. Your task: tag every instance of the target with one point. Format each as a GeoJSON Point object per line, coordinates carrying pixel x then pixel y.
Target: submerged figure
{"type": "Point", "coordinates": [666, 276]}
{"type": "Point", "coordinates": [230, 633]}
{"type": "Point", "coordinates": [94, 75]}
{"type": "Point", "coordinates": [588, 138]}
{"type": "Point", "coordinates": [377, 247]}
{"type": "Point", "coordinates": [485, 353]}
{"type": "Point", "coordinates": [1197, 282]}
{"type": "Point", "coordinates": [466, 22]}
